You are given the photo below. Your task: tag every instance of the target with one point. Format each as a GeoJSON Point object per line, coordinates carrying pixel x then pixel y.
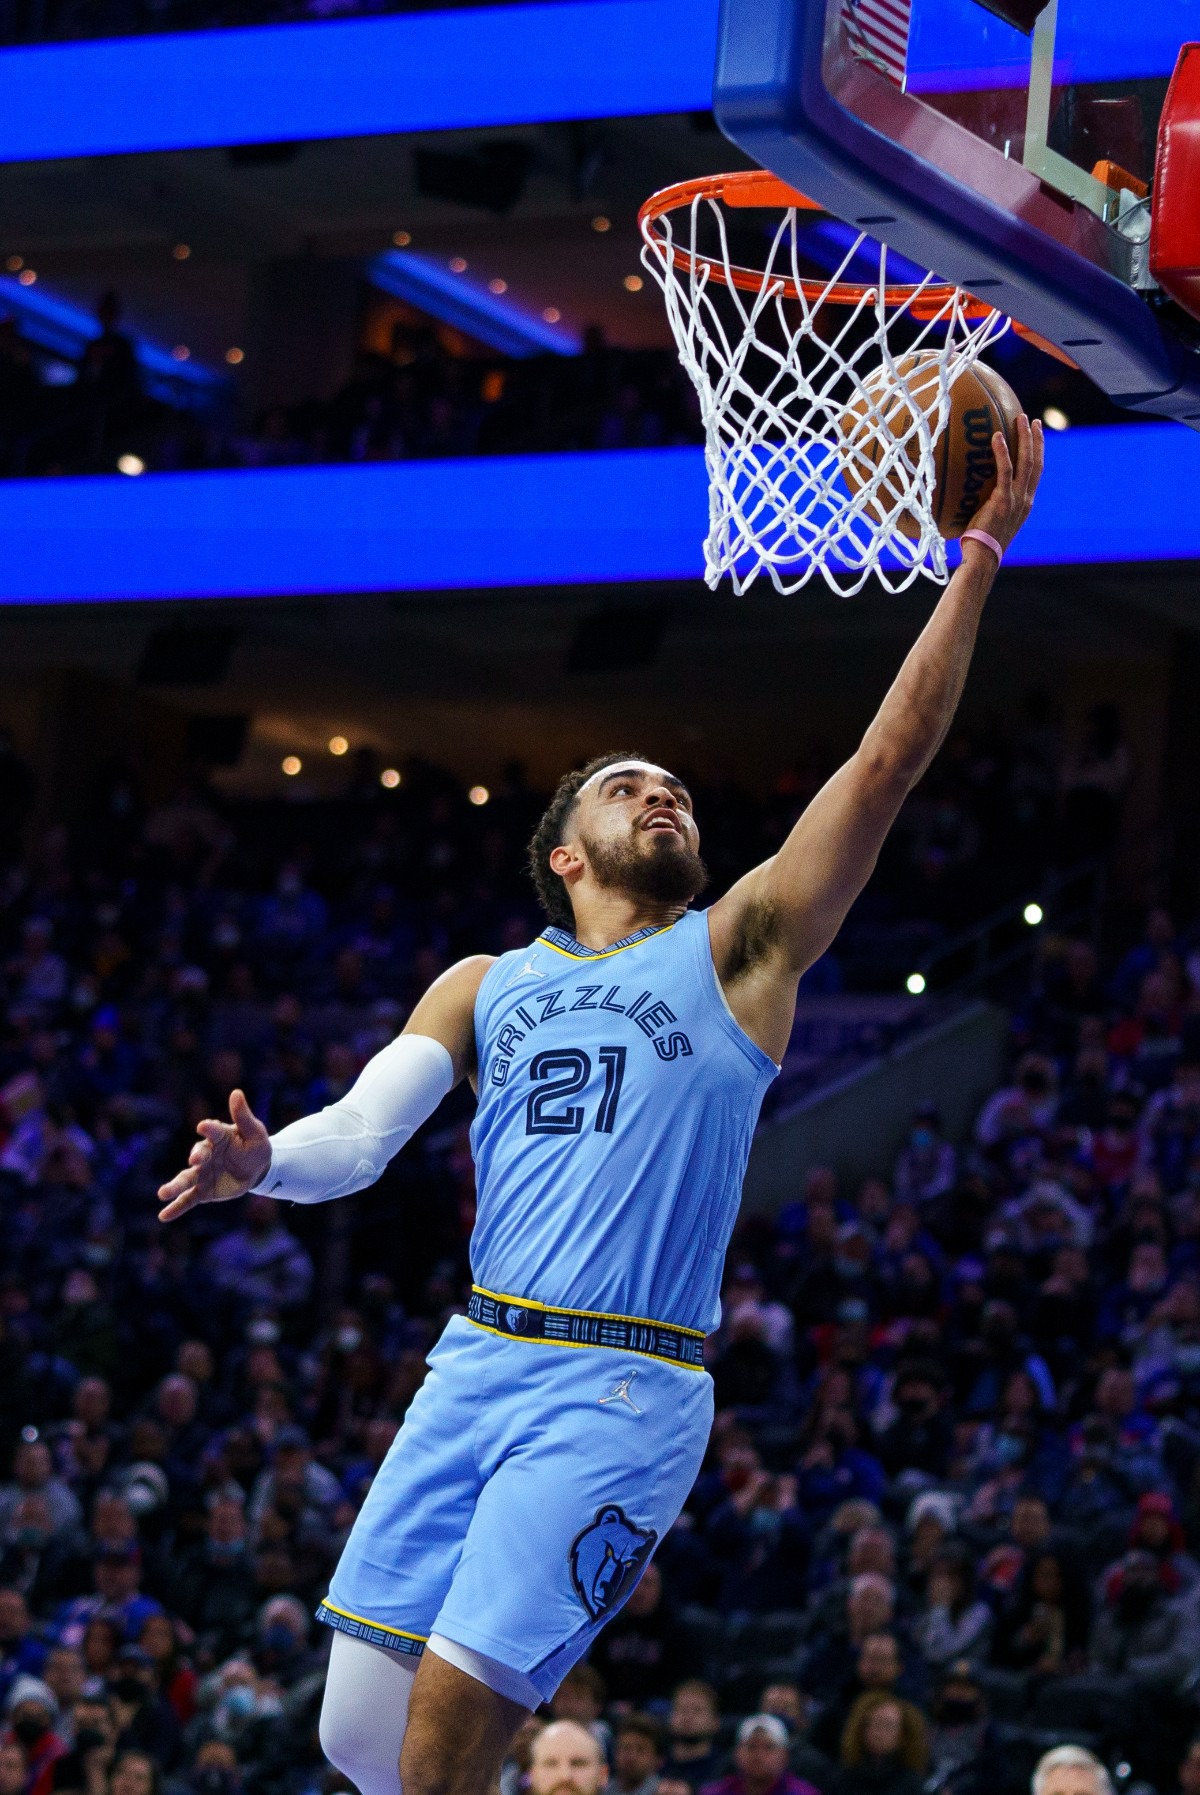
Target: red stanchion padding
{"type": "Point", "coordinates": [1175, 222]}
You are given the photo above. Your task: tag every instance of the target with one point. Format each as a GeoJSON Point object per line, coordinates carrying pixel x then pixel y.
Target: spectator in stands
{"type": "Point", "coordinates": [1045, 1629]}
{"type": "Point", "coordinates": [1025, 1107]}
{"type": "Point", "coordinates": [952, 1625]}
{"type": "Point", "coordinates": [261, 1262]}
{"type": "Point", "coordinates": [760, 1762]}
{"type": "Point", "coordinates": [641, 1654]}
{"type": "Point", "coordinates": [34, 1475]}
{"type": "Point", "coordinates": [14, 1769]}
{"type": "Point", "coordinates": [885, 1748]}
{"type": "Point", "coordinates": [580, 1698]}
{"type": "Point", "coordinates": [145, 1722]}
{"type": "Point", "coordinates": [927, 1163]}
{"type": "Point", "coordinates": [791, 1704]}
{"type": "Point", "coordinates": [565, 1759]}
{"type": "Point", "coordinates": [21, 1651]}
{"type": "Point", "coordinates": [962, 1740]}
{"type": "Point", "coordinates": [109, 387]}
{"type": "Point", "coordinates": [638, 1753]}
{"type": "Point", "coordinates": [693, 1725]}
{"type": "Point", "coordinates": [1071, 1770]}
{"type": "Point", "coordinates": [31, 1712]}
{"type": "Point", "coordinates": [1144, 1631]}
{"type": "Point", "coordinates": [117, 1598]}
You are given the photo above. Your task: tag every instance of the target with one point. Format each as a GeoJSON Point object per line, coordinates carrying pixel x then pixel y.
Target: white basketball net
{"type": "Point", "coordinates": [797, 392]}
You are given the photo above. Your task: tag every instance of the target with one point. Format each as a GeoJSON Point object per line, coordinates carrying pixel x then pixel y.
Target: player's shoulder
{"type": "Point", "coordinates": [466, 976]}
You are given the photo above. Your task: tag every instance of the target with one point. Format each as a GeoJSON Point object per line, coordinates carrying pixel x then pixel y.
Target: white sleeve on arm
{"type": "Point", "coordinates": [345, 1147]}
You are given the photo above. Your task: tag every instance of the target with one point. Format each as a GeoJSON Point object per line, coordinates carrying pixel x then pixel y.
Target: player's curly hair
{"type": "Point", "coordinates": [551, 832]}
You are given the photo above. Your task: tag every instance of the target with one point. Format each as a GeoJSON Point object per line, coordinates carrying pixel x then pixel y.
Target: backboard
{"type": "Point", "coordinates": [1008, 147]}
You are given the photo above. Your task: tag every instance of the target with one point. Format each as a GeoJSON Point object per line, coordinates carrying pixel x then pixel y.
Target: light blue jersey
{"type": "Point", "coordinates": [535, 1473]}
{"type": "Point", "coordinates": [617, 1102]}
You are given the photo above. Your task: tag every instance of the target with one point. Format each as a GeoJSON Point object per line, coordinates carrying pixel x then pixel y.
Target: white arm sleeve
{"type": "Point", "coordinates": [345, 1147]}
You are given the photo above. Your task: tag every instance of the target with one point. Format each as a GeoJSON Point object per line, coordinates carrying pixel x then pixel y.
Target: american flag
{"type": "Point", "coordinates": [878, 32]}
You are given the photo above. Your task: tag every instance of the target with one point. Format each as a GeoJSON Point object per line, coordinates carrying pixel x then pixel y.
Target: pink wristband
{"type": "Point", "coordinates": [987, 541]}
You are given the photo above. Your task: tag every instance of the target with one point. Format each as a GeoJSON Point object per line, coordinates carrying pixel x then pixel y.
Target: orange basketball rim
{"type": "Point", "coordinates": [759, 189]}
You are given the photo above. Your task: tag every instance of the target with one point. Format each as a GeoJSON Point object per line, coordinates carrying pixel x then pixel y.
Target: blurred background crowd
{"type": "Point", "coordinates": [420, 403]}
{"type": "Point", "coordinates": [431, 395]}
{"type": "Point", "coordinates": [952, 1502]}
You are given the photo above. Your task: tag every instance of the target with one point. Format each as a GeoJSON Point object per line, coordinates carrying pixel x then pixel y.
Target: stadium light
{"type": "Point", "coordinates": [914, 984]}
{"type": "Point", "coordinates": [1033, 914]}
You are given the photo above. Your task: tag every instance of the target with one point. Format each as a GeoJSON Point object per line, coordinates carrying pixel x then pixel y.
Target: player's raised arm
{"type": "Point", "coordinates": [784, 914]}
{"type": "Point", "coordinates": [346, 1146]}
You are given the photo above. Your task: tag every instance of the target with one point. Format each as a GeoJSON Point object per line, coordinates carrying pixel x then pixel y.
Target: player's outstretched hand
{"type": "Point", "coordinates": [1010, 504]}
{"type": "Point", "coordinates": [229, 1159]}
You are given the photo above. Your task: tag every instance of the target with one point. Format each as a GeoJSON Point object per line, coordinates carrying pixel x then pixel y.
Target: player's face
{"type": "Point", "coordinates": [637, 829]}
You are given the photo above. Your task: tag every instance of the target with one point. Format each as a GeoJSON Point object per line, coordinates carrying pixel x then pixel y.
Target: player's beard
{"type": "Point", "coordinates": [651, 864]}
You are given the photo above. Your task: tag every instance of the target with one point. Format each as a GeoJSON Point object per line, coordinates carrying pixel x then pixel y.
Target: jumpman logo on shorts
{"type": "Point", "coordinates": [620, 1393]}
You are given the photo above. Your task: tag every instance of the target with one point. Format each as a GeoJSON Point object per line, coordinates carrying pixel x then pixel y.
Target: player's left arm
{"type": "Point", "coordinates": [782, 916]}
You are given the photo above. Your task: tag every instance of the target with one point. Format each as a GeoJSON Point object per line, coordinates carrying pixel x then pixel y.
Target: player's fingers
{"type": "Point", "coordinates": [1024, 456]}
{"type": "Point", "coordinates": [179, 1207]}
{"type": "Point", "coordinates": [177, 1186]}
{"type": "Point", "coordinates": [1004, 466]}
{"type": "Point", "coordinates": [242, 1116]}
{"type": "Point", "coordinates": [200, 1154]}
{"type": "Point", "coordinates": [1039, 455]}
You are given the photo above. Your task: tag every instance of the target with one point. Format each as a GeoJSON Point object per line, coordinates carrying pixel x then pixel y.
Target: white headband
{"type": "Point", "coordinates": [643, 766]}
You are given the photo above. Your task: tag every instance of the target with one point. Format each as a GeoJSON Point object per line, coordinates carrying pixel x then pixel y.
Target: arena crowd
{"type": "Point", "coordinates": [951, 1511]}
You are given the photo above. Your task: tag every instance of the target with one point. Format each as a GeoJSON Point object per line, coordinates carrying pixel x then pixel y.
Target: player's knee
{"type": "Point", "coordinates": [355, 1751]}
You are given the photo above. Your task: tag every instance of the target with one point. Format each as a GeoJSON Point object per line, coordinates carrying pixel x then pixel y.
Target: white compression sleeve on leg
{"type": "Point", "coordinates": [365, 1712]}
{"type": "Point", "coordinates": [345, 1147]}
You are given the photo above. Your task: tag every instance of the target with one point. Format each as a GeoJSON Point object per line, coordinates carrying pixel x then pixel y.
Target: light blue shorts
{"type": "Point", "coordinates": [521, 1499]}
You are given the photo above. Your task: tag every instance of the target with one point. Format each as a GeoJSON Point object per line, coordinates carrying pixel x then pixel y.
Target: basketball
{"type": "Point", "coordinates": [981, 402]}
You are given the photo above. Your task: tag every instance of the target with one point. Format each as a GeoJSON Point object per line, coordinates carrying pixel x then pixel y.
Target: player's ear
{"type": "Point", "coordinates": [566, 861]}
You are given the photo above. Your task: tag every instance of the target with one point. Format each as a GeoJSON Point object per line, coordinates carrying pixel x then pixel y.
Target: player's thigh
{"type": "Point", "coordinates": [573, 1511]}
{"type": "Point", "coordinates": [406, 1543]}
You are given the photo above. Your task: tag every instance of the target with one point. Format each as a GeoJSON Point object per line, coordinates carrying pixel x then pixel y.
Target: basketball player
{"type": "Point", "coordinates": [619, 1062]}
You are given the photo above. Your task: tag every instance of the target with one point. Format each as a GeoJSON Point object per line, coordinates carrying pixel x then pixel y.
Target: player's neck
{"type": "Point", "coordinates": [603, 917]}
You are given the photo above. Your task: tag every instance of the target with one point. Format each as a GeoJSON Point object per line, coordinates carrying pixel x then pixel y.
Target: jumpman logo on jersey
{"type": "Point", "coordinates": [620, 1393]}
{"type": "Point", "coordinates": [530, 970]}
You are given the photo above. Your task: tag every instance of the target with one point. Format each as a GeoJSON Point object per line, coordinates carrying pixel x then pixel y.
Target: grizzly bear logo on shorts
{"type": "Point", "coordinates": [607, 1559]}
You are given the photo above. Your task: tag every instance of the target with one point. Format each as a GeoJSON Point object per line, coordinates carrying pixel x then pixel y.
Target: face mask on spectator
{"type": "Point", "coordinates": [89, 1738]}
{"type": "Point", "coordinates": [240, 1703]}
{"type": "Point", "coordinates": [31, 1539]}
{"type": "Point", "coordinates": [263, 1332]}
{"type": "Point", "coordinates": [30, 1729]}
{"type": "Point", "coordinates": [129, 1689]}
{"type": "Point", "coordinates": [347, 1339]}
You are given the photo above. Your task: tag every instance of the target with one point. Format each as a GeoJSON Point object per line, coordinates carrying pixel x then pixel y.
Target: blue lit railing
{"type": "Point", "coordinates": [631, 515]}
{"type": "Point", "coordinates": [498, 65]}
